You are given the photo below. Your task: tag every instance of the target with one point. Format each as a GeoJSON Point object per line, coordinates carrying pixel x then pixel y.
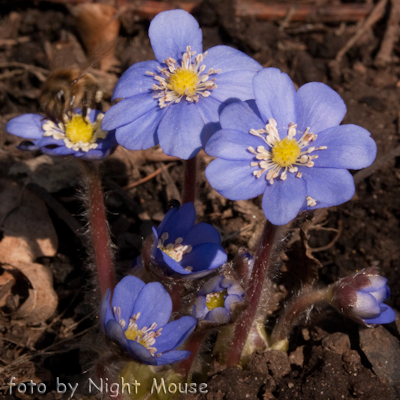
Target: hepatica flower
{"type": "Point", "coordinates": [138, 320]}
{"type": "Point", "coordinates": [77, 136]}
{"type": "Point", "coordinates": [216, 298]}
{"type": "Point", "coordinates": [175, 100]}
{"type": "Point", "coordinates": [289, 146]}
{"type": "Point", "coordinates": [360, 296]}
{"type": "Point", "coordinates": [186, 249]}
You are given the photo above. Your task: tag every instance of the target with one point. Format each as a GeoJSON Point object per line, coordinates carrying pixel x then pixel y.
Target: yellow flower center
{"type": "Point", "coordinates": [79, 130]}
{"type": "Point", "coordinates": [286, 152]}
{"type": "Point", "coordinates": [216, 299]}
{"type": "Point", "coordinates": [183, 81]}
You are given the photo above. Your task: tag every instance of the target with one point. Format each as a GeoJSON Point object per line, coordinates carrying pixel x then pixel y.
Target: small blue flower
{"type": "Point", "coordinates": [79, 137]}
{"type": "Point", "coordinates": [360, 296]}
{"type": "Point", "coordinates": [175, 101]}
{"type": "Point", "coordinates": [289, 146]}
{"type": "Point", "coordinates": [186, 249]}
{"type": "Point", "coordinates": [215, 299]}
{"type": "Point", "coordinates": [138, 320]}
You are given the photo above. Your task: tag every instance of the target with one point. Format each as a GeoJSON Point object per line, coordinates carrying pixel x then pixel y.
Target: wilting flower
{"type": "Point", "coordinates": [175, 100]}
{"type": "Point", "coordinates": [76, 136]}
{"type": "Point", "coordinates": [138, 320]}
{"type": "Point", "coordinates": [216, 298]}
{"type": "Point", "coordinates": [289, 146]}
{"type": "Point", "coordinates": [186, 249]}
{"type": "Point", "coordinates": [360, 296]}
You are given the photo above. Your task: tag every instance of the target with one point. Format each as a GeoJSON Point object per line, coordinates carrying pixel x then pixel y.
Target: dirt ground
{"type": "Point", "coordinates": [329, 357]}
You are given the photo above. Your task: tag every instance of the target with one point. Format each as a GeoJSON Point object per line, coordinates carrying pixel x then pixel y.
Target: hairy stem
{"type": "Point", "coordinates": [100, 240]}
{"type": "Point", "coordinates": [189, 180]}
{"type": "Point", "coordinates": [253, 293]}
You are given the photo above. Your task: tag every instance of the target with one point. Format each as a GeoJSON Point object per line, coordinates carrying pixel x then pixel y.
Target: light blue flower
{"type": "Point", "coordinates": [216, 298]}
{"type": "Point", "coordinates": [176, 100]}
{"type": "Point", "coordinates": [288, 146]}
{"type": "Point", "coordinates": [137, 319]}
{"type": "Point", "coordinates": [78, 137]}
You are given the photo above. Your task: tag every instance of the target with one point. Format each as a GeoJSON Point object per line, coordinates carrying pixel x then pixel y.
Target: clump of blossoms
{"type": "Point", "coordinates": [175, 101]}
{"type": "Point", "coordinates": [79, 136]}
{"type": "Point", "coordinates": [138, 319]}
{"type": "Point", "coordinates": [288, 146]}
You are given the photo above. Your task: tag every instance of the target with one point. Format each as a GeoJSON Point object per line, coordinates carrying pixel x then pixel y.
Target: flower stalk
{"type": "Point", "coordinates": [189, 180]}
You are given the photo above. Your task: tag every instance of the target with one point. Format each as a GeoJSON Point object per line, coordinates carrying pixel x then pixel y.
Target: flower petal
{"type": "Point", "coordinates": [154, 304]}
{"type": "Point", "coordinates": [231, 299]}
{"type": "Point", "coordinates": [234, 179]}
{"type": "Point", "coordinates": [275, 96]}
{"type": "Point", "coordinates": [140, 352]}
{"type": "Point", "coordinates": [205, 256]}
{"type": "Point", "coordinates": [172, 356]}
{"type": "Point", "coordinates": [175, 333]}
{"type": "Point", "coordinates": [141, 133]}
{"type": "Point", "coordinates": [172, 264]}
{"type": "Point", "coordinates": [202, 233]}
{"type": "Point", "coordinates": [283, 200]}
{"type": "Point", "coordinates": [171, 32]}
{"type": "Point", "coordinates": [212, 285]}
{"type": "Point", "coordinates": [125, 295]}
{"type": "Point", "coordinates": [208, 109]}
{"type": "Point", "coordinates": [349, 146]}
{"type": "Point", "coordinates": [180, 130]}
{"type": "Point", "coordinates": [242, 116]}
{"type": "Point", "coordinates": [386, 316]}
{"type": "Point", "coordinates": [219, 315]}
{"type": "Point", "coordinates": [28, 126]}
{"type": "Point", "coordinates": [318, 107]}
{"type": "Point", "coordinates": [366, 306]}
{"type": "Point", "coordinates": [199, 309]}
{"type": "Point", "coordinates": [328, 186]}
{"type": "Point", "coordinates": [135, 81]}
{"type": "Point", "coordinates": [115, 332]}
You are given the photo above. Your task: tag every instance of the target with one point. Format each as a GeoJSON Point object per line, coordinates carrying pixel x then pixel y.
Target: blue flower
{"type": "Point", "coordinates": [215, 299]}
{"type": "Point", "coordinates": [138, 320]}
{"type": "Point", "coordinates": [82, 138]}
{"type": "Point", "coordinates": [175, 101]}
{"type": "Point", "coordinates": [360, 296]}
{"type": "Point", "coordinates": [186, 249]}
{"type": "Point", "coordinates": [289, 146]}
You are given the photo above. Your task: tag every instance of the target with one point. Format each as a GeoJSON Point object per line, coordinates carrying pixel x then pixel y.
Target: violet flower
{"type": "Point", "coordinates": [77, 136]}
{"type": "Point", "coordinates": [137, 319]}
{"type": "Point", "coordinates": [289, 146]}
{"type": "Point", "coordinates": [185, 249]}
{"type": "Point", "coordinates": [175, 101]}
{"type": "Point", "coordinates": [216, 298]}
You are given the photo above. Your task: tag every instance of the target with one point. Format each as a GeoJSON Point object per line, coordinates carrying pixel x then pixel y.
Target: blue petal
{"type": "Point", "coordinates": [28, 126]}
{"type": "Point", "coordinates": [377, 282]}
{"type": "Point", "coordinates": [105, 312]}
{"type": "Point", "coordinates": [135, 81]}
{"type": "Point", "coordinates": [219, 315]}
{"type": "Point", "coordinates": [232, 299]}
{"type": "Point", "coordinates": [228, 59]}
{"type": "Point", "coordinates": [114, 331]}
{"type": "Point", "coordinates": [141, 133]}
{"type": "Point", "coordinates": [233, 145]}
{"type": "Point", "coordinates": [154, 304]}
{"type": "Point", "coordinates": [172, 356]}
{"type": "Point", "coordinates": [205, 256]}
{"type": "Point", "coordinates": [349, 146]}
{"type": "Point", "coordinates": [242, 116]}
{"type": "Point", "coordinates": [234, 179]}
{"type": "Point", "coordinates": [28, 146]}
{"type": "Point", "coordinates": [233, 287]}
{"type": "Point", "coordinates": [180, 130]}
{"type": "Point", "coordinates": [202, 233]}
{"type": "Point", "coordinates": [140, 352]}
{"type": "Point", "coordinates": [328, 186]}
{"type": "Point", "coordinates": [174, 334]}
{"type": "Point", "coordinates": [318, 107]}
{"type": "Point", "coordinates": [128, 110]}
{"type": "Point", "coordinates": [283, 200]}
{"type": "Point", "coordinates": [171, 32]}
{"type": "Point", "coordinates": [172, 264]}
{"type": "Point", "coordinates": [209, 111]}
{"type": "Point", "coordinates": [387, 316]}
{"type": "Point", "coordinates": [212, 285]}
{"type": "Point", "coordinates": [366, 306]}
{"type": "Point", "coordinates": [275, 96]}
{"type": "Point", "coordinates": [199, 309]}
{"type": "Point", "coordinates": [104, 148]}
{"type": "Point", "coordinates": [125, 295]}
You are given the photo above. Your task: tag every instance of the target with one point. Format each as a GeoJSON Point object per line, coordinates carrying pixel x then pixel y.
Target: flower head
{"type": "Point", "coordinates": [186, 249]}
{"type": "Point", "coordinates": [216, 298]}
{"type": "Point", "coordinates": [76, 135]}
{"type": "Point", "coordinates": [137, 319]}
{"type": "Point", "coordinates": [289, 146]}
{"type": "Point", "coordinates": [175, 101]}
{"type": "Point", "coordinates": [360, 296]}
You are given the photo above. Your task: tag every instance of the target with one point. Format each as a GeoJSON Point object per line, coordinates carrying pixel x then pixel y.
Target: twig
{"type": "Point", "coordinates": [375, 15]}
{"type": "Point", "coordinates": [332, 242]}
{"type": "Point", "coordinates": [384, 55]}
{"type": "Point", "coordinates": [14, 42]}
{"type": "Point", "coordinates": [171, 189]}
{"type": "Point", "coordinates": [40, 73]}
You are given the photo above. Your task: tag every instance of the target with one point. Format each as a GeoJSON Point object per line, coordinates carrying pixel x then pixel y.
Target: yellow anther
{"type": "Point", "coordinates": [183, 81]}
{"type": "Point", "coordinates": [285, 152]}
{"type": "Point", "coordinates": [77, 129]}
{"type": "Point", "coordinates": [216, 299]}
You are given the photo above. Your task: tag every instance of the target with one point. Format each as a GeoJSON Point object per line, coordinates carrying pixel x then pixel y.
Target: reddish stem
{"type": "Point", "coordinates": [193, 345]}
{"type": "Point", "coordinates": [99, 233]}
{"type": "Point", "coordinates": [189, 180]}
{"type": "Point", "coordinates": [259, 274]}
